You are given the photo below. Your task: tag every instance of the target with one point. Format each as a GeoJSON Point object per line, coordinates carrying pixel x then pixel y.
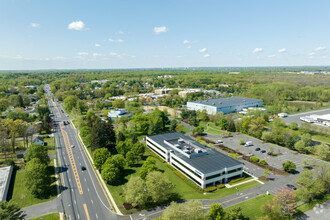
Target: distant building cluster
{"type": "Point", "coordinates": [323, 119]}
{"type": "Point", "coordinates": [204, 166]}
{"type": "Point", "coordinates": [225, 105]}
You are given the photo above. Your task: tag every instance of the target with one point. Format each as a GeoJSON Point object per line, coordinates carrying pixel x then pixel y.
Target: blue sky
{"type": "Point", "coordinates": [62, 34]}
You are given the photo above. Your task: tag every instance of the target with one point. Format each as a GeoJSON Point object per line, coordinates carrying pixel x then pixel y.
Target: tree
{"type": "Point", "coordinates": [70, 102]}
{"type": "Point", "coordinates": [241, 141]}
{"type": "Point", "coordinates": [236, 214]}
{"type": "Point", "coordinates": [217, 213]}
{"type": "Point", "coordinates": [124, 146]}
{"type": "Point", "coordinates": [110, 173]}
{"type": "Point", "coordinates": [192, 210]}
{"type": "Point", "coordinates": [199, 130]}
{"type": "Point", "coordinates": [118, 160]}
{"type": "Point", "coordinates": [266, 172]}
{"type": "Point", "coordinates": [12, 127]}
{"type": "Point", "coordinates": [36, 178]}
{"type": "Point", "coordinates": [223, 124]}
{"type": "Point", "coordinates": [130, 158]}
{"type": "Point", "coordinates": [287, 201]}
{"type": "Point", "coordinates": [100, 156]}
{"type": "Point", "coordinates": [81, 107]}
{"type": "Point", "coordinates": [138, 150]}
{"type": "Point", "coordinates": [173, 125]}
{"type": "Point", "coordinates": [103, 135]}
{"type": "Point", "coordinates": [118, 103]}
{"type": "Point", "coordinates": [158, 187]}
{"type": "Point", "coordinates": [293, 125]}
{"type": "Point", "coordinates": [323, 151]}
{"type": "Point", "coordinates": [179, 128]}
{"type": "Point", "coordinates": [135, 192]}
{"type": "Point", "coordinates": [256, 126]}
{"type": "Point", "coordinates": [10, 211]}
{"type": "Point", "coordinates": [193, 121]}
{"type": "Point", "coordinates": [289, 166]}
{"type": "Point", "coordinates": [120, 137]}
{"type": "Point", "coordinates": [148, 166]}
{"type": "Point", "coordinates": [37, 151]}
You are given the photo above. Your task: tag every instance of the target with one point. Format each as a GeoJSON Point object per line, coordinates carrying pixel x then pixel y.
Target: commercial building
{"type": "Point", "coordinates": [203, 165]}
{"type": "Point", "coordinates": [225, 105]}
{"type": "Point", "coordinates": [117, 113]}
{"type": "Point", "coordinates": [5, 176]}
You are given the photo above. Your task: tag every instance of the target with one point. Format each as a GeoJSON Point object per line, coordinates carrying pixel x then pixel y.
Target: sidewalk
{"type": "Point", "coordinates": [41, 209]}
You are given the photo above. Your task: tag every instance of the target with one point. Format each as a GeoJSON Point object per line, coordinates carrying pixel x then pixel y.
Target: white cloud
{"type": "Point", "coordinates": [203, 50]}
{"type": "Point", "coordinates": [189, 47]}
{"type": "Point", "coordinates": [111, 40]}
{"type": "Point", "coordinates": [120, 40]}
{"type": "Point", "coordinates": [35, 25]}
{"type": "Point", "coordinates": [97, 45]}
{"type": "Point", "coordinates": [82, 54]}
{"type": "Point", "coordinates": [186, 42]}
{"type": "Point", "coordinates": [77, 25]}
{"type": "Point", "coordinates": [98, 55]}
{"type": "Point", "coordinates": [120, 32]}
{"type": "Point", "coordinates": [161, 29]}
{"type": "Point", "coordinates": [207, 55]}
{"type": "Point", "coordinates": [257, 50]}
{"type": "Point", "coordinates": [283, 50]}
{"type": "Point", "coordinates": [133, 56]}
{"type": "Point", "coordinates": [113, 54]}
{"type": "Point", "coordinates": [320, 48]}
{"type": "Point", "coordinates": [311, 54]}
{"type": "Point", "coordinates": [272, 55]}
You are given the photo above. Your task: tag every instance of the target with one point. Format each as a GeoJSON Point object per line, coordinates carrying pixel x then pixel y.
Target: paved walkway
{"type": "Point", "coordinates": [41, 209]}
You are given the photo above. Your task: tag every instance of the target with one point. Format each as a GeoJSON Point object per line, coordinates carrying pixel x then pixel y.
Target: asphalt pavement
{"type": "Point", "coordinates": [296, 117]}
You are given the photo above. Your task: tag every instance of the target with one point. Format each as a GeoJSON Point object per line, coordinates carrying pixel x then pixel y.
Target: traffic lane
{"type": "Point", "coordinates": [93, 182]}
{"type": "Point", "coordinates": [296, 117]}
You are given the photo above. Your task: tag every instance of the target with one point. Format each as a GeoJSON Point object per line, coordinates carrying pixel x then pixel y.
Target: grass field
{"type": "Point", "coordinates": [53, 216]}
{"type": "Point", "coordinates": [252, 207]}
{"type": "Point", "coordinates": [211, 128]}
{"type": "Point", "coordinates": [182, 190]}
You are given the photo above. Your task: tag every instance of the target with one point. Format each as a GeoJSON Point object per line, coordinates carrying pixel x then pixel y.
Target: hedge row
{"type": "Point", "coordinates": [254, 159]}
{"type": "Point", "coordinates": [220, 186]}
{"type": "Point", "coordinates": [236, 180]}
{"type": "Point", "coordinates": [210, 189]}
{"type": "Point", "coordinates": [156, 156]}
{"type": "Point", "coordinates": [263, 162]}
{"type": "Point", "coordinates": [179, 174]}
{"type": "Point", "coordinates": [171, 167]}
{"type": "Point", "coordinates": [193, 185]}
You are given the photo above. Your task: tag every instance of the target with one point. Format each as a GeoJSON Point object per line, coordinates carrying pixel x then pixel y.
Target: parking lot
{"type": "Point", "coordinates": [296, 117]}
{"type": "Point", "coordinates": [275, 161]}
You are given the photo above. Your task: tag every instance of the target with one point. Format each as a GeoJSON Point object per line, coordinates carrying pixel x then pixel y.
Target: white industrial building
{"type": "Point", "coordinates": [204, 166]}
{"type": "Point", "coordinates": [225, 105]}
{"type": "Point", "coordinates": [5, 177]}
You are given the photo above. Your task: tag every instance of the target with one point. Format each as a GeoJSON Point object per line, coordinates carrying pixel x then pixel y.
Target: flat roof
{"type": "Point", "coordinates": [5, 176]}
{"type": "Point", "coordinates": [206, 163]}
{"type": "Point", "coordinates": [227, 101]}
{"type": "Point", "coordinates": [324, 117]}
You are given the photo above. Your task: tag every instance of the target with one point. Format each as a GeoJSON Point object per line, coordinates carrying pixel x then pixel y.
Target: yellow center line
{"type": "Point", "coordinates": [71, 158]}
{"type": "Point", "coordinates": [86, 211]}
{"type": "Point", "coordinates": [59, 113]}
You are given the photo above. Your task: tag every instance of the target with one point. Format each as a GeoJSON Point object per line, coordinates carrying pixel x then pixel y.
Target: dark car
{"type": "Point", "coordinates": [68, 122]}
{"type": "Point", "coordinates": [64, 123]}
{"type": "Point", "coordinates": [257, 149]}
{"type": "Point", "coordinates": [291, 186]}
{"type": "Point", "coordinates": [268, 153]}
{"type": "Point", "coordinates": [83, 168]}
{"type": "Point", "coordinates": [263, 151]}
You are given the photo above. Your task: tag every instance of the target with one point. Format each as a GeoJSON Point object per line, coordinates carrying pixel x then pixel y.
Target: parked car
{"type": "Point", "coordinates": [219, 141]}
{"type": "Point", "coordinates": [291, 186]}
{"type": "Point", "coordinates": [268, 153]}
{"type": "Point", "coordinates": [248, 144]}
{"type": "Point", "coordinates": [249, 155]}
{"type": "Point", "coordinates": [72, 146]}
{"type": "Point", "coordinates": [263, 151]}
{"type": "Point", "coordinates": [257, 149]}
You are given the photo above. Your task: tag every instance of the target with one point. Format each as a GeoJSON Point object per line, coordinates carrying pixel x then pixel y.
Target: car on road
{"type": "Point", "coordinates": [83, 168]}
{"type": "Point", "coordinates": [219, 141]}
{"type": "Point", "coordinates": [68, 122]}
{"type": "Point", "coordinates": [64, 122]}
{"type": "Point", "coordinates": [72, 146]}
{"type": "Point", "coordinates": [263, 151]}
{"type": "Point", "coordinates": [290, 186]}
{"type": "Point", "coordinates": [257, 149]}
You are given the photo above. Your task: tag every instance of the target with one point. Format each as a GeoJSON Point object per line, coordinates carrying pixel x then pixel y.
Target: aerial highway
{"type": "Point", "coordinates": [82, 196]}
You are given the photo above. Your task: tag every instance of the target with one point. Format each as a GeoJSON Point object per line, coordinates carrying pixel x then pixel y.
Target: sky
{"type": "Point", "coordinates": [106, 34]}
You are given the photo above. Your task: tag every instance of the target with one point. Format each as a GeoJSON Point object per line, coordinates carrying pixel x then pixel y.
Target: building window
{"type": "Point", "coordinates": [198, 183]}
{"type": "Point", "coordinates": [199, 176]}
{"type": "Point", "coordinates": [154, 146]}
{"type": "Point", "coordinates": [208, 185]}
{"type": "Point", "coordinates": [213, 176]}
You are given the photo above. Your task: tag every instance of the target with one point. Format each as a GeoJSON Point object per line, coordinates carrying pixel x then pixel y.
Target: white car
{"type": "Point", "coordinates": [220, 141]}
{"type": "Point", "coordinates": [72, 146]}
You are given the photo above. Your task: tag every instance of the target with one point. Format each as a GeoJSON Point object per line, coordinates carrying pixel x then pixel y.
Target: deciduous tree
{"type": "Point", "coordinates": [100, 156]}
{"type": "Point", "coordinates": [11, 211]}
{"type": "Point", "coordinates": [158, 187]}
{"type": "Point", "coordinates": [37, 151]}
{"type": "Point", "coordinates": [135, 191]}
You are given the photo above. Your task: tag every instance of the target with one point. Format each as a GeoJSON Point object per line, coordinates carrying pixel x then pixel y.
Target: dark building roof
{"type": "Point", "coordinates": [38, 138]}
{"type": "Point", "coordinates": [228, 101]}
{"type": "Point", "coordinates": [212, 161]}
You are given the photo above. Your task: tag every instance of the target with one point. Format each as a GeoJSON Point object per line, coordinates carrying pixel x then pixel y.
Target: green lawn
{"type": "Point", "coordinates": [181, 189]}
{"type": "Point", "coordinates": [321, 138]}
{"type": "Point", "coordinates": [53, 216]}
{"type": "Point", "coordinates": [186, 130]}
{"type": "Point", "coordinates": [22, 196]}
{"type": "Point", "coordinates": [307, 206]}
{"type": "Point", "coordinates": [212, 128]}
{"type": "Point", "coordinates": [252, 207]}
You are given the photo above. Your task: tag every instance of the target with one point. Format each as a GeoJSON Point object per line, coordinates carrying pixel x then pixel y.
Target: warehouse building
{"type": "Point", "coordinates": [225, 105]}
{"type": "Point", "coordinates": [203, 165]}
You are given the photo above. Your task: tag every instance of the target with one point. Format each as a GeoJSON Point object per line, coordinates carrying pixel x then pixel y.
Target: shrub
{"type": "Point", "coordinates": [263, 162]}
{"type": "Point", "coordinates": [236, 180]}
{"type": "Point", "coordinates": [156, 156]}
{"type": "Point", "coordinates": [254, 159]}
{"type": "Point", "coordinates": [220, 186]}
{"type": "Point", "coordinates": [179, 174]}
{"type": "Point", "coordinates": [193, 185]}
{"type": "Point", "coordinates": [210, 189]}
{"type": "Point", "coordinates": [235, 156]}
{"type": "Point", "coordinates": [169, 166]}
{"type": "Point", "coordinates": [241, 141]}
